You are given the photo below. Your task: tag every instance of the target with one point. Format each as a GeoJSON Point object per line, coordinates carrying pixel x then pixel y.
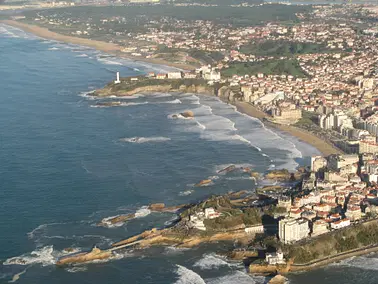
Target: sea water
{"type": "Point", "coordinates": [66, 163]}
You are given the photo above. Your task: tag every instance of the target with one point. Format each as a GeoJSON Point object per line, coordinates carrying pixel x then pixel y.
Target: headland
{"type": "Point", "coordinates": [153, 84]}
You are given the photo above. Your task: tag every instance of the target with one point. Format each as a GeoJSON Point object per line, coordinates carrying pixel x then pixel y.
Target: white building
{"type": "Point", "coordinates": [174, 75]}
{"type": "Point", "coordinates": [275, 258]}
{"type": "Point", "coordinates": [212, 76]}
{"type": "Point", "coordinates": [210, 213]}
{"type": "Point", "coordinates": [292, 230]}
{"type": "Point", "coordinates": [340, 224]}
{"type": "Point", "coordinates": [197, 222]}
{"type": "Point", "coordinates": [255, 229]}
{"type": "Point", "coordinates": [319, 227]}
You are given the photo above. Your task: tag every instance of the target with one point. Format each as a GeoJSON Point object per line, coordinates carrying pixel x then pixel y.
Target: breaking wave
{"type": "Point", "coordinates": [186, 193]}
{"type": "Point", "coordinates": [43, 256]}
{"type": "Point", "coordinates": [140, 140]}
{"type": "Point", "coordinates": [121, 104]}
{"type": "Point", "coordinates": [210, 261]}
{"type": "Point", "coordinates": [237, 277]}
{"type": "Point", "coordinates": [187, 276]}
{"type": "Point", "coordinates": [362, 262]}
{"type": "Point", "coordinates": [142, 212]}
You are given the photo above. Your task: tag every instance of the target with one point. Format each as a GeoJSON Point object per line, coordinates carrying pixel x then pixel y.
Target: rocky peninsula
{"type": "Point", "coordinates": [141, 84]}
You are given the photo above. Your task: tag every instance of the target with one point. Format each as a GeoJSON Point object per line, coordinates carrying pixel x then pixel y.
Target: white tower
{"type": "Point", "coordinates": [117, 81]}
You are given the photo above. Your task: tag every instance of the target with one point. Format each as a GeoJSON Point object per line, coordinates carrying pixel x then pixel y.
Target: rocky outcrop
{"type": "Point", "coordinates": [242, 254]}
{"type": "Point", "coordinates": [255, 175]}
{"type": "Point", "coordinates": [155, 88]}
{"type": "Point", "coordinates": [187, 114]}
{"type": "Point", "coordinates": [227, 169]}
{"type": "Point", "coordinates": [106, 222]}
{"type": "Point", "coordinates": [281, 175]}
{"type": "Point", "coordinates": [203, 182]}
{"type": "Point", "coordinates": [95, 254]}
{"type": "Point", "coordinates": [278, 279]}
{"type": "Point", "coordinates": [156, 206]}
{"type": "Point", "coordinates": [109, 104]}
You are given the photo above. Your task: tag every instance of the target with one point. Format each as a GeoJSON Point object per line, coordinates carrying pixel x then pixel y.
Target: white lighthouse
{"type": "Point", "coordinates": [117, 81]}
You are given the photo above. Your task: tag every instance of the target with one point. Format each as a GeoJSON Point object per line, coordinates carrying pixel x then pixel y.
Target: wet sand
{"type": "Point", "coordinates": [324, 147]}
{"type": "Point", "coordinates": [106, 47]}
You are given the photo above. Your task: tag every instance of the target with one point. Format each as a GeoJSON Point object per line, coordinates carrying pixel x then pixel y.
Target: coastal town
{"type": "Point", "coordinates": [315, 74]}
{"type": "Point", "coordinates": [314, 70]}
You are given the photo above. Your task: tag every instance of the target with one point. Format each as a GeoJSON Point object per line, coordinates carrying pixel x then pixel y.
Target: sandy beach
{"type": "Point", "coordinates": [324, 147]}
{"type": "Point", "coordinates": [106, 47]}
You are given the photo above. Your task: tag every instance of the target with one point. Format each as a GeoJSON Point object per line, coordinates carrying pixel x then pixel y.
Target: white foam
{"type": "Point", "coordinates": [173, 220]}
{"type": "Point", "coordinates": [210, 261]}
{"type": "Point", "coordinates": [237, 166]}
{"type": "Point", "coordinates": [174, 250]}
{"type": "Point", "coordinates": [76, 269]}
{"type": "Point", "coordinates": [88, 95]}
{"type": "Point", "coordinates": [176, 101]}
{"type": "Point", "coordinates": [237, 277]}
{"type": "Point", "coordinates": [140, 140]}
{"type": "Point", "coordinates": [108, 224]}
{"type": "Point", "coordinates": [187, 276]}
{"type": "Point", "coordinates": [186, 192]}
{"type": "Point", "coordinates": [17, 276]}
{"type": "Point", "coordinates": [43, 256]}
{"type": "Point", "coordinates": [108, 61]}
{"type": "Point", "coordinates": [53, 48]}
{"type": "Point", "coordinates": [178, 116]}
{"type": "Point", "coordinates": [362, 262]}
{"type": "Point", "coordinates": [122, 104]}
{"type": "Point", "coordinates": [82, 55]}
{"type": "Point", "coordinates": [142, 212]}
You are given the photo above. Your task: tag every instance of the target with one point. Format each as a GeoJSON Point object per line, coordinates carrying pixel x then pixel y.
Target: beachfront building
{"type": "Point", "coordinates": [258, 229]}
{"type": "Point", "coordinates": [317, 163]}
{"type": "Point", "coordinates": [319, 227]}
{"type": "Point", "coordinates": [174, 75]}
{"type": "Point", "coordinates": [284, 202]}
{"type": "Point", "coordinates": [274, 258]}
{"type": "Point", "coordinates": [340, 224]}
{"type": "Point", "coordinates": [196, 222]}
{"type": "Point", "coordinates": [291, 230]}
{"type": "Point", "coordinates": [336, 162]}
{"type": "Point", "coordinates": [353, 213]}
{"type": "Point", "coordinates": [210, 213]}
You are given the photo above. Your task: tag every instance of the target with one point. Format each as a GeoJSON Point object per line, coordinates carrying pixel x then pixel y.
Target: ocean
{"type": "Point", "coordinates": [67, 163]}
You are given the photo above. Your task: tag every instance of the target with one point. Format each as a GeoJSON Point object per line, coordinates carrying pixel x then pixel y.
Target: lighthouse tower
{"type": "Point", "coordinates": [117, 81]}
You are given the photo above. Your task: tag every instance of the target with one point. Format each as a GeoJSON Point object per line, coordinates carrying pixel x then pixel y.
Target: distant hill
{"type": "Point", "coordinates": [221, 2]}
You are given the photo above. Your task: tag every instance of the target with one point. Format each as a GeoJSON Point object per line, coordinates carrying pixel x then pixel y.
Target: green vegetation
{"type": "Point", "coordinates": [333, 243]}
{"type": "Point", "coordinates": [138, 15]}
{"type": "Point", "coordinates": [207, 57]}
{"type": "Point", "coordinates": [308, 121]}
{"type": "Point", "coordinates": [129, 85]}
{"type": "Point", "coordinates": [283, 48]}
{"type": "Point", "coordinates": [224, 222]}
{"type": "Point", "coordinates": [267, 67]}
{"type": "Point", "coordinates": [222, 2]}
{"type": "Point", "coordinates": [252, 216]}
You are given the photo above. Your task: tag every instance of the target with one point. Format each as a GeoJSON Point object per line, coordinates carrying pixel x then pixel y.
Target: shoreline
{"type": "Point", "coordinates": [110, 48]}
{"type": "Point", "coordinates": [324, 147]}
